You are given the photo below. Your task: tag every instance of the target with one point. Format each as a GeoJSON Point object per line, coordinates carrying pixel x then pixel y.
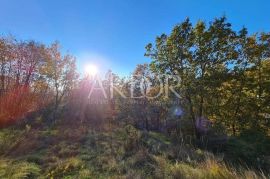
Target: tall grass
{"type": "Point", "coordinates": [209, 169]}
{"type": "Point", "coordinates": [18, 170]}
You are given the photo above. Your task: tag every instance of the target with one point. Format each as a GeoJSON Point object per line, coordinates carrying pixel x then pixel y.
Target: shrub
{"type": "Point", "coordinates": [250, 148]}
{"type": "Point", "coordinates": [16, 104]}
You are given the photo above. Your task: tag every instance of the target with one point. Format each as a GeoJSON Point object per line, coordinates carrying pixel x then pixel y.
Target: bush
{"type": "Point", "coordinates": [16, 104]}
{"type": "Point", "coordinates": [251, 148]}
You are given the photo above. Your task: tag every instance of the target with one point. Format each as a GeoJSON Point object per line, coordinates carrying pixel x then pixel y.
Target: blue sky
{"type": "Point", "coordinates": [113, 33]}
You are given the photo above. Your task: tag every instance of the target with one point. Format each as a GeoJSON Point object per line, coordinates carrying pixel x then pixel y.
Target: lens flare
{"type": "Point", "coordinates": [91, 70]}
{"type": "Point", "coordinates": [178, 111]}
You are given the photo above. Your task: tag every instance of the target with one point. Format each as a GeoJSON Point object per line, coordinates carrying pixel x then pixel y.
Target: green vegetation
{"type": "Point", "coordinates": [110, 154]}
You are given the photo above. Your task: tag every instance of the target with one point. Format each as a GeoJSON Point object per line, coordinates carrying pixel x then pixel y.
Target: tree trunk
{"type": "Point", "coordinates": [195, 133]}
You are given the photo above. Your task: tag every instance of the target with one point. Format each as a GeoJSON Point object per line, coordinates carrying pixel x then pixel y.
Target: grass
{"type": "Point", "coordinates": [18, 169]}
{"type": "Point", "coordinates": [124, 152]}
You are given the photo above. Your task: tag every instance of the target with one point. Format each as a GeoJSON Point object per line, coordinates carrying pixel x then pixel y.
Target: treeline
{"type": "Point", "coordinates": [32, 75]}
{"type": "Point", "coordinates": [223, 79]}
{"type": "Point", "coordinates": [225, 75]}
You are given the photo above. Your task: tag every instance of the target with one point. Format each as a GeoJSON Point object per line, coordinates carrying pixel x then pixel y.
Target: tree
{"type": "Point", "coordinates": [221, 71]}
{"type": "Point", "coordinates": [60, 73]}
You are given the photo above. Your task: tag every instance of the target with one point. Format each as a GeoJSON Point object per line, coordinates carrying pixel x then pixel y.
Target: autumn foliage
{"type": "Point", "coordinates": [15, 104]}
{"type": "Point", "coordinates": [32, 75]}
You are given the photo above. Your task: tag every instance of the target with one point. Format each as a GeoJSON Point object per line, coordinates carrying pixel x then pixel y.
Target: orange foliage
{"type": "Point", "coordinates": [15, 104]}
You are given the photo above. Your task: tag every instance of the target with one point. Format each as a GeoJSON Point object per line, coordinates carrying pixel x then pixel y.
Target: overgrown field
{"type": "Point", "coordinates": [80, 151]}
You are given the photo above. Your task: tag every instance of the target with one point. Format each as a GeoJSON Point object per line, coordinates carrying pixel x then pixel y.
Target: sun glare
{"type": "Point", "coordinates": [91, 70]}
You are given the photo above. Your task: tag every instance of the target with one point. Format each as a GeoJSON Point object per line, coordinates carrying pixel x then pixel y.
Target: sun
{"type": "Point", "coordinates": [91, 69]}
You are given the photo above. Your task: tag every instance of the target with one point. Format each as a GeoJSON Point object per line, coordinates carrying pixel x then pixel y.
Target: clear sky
{"type": "Point", "coordinates": [113, 33]}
